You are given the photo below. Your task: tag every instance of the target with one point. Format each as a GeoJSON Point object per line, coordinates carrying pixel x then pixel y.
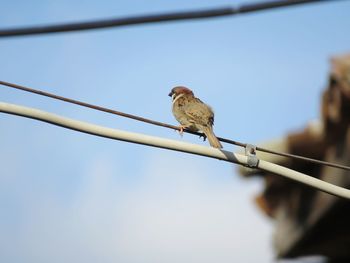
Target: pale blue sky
{"type": "Point", "coordinates": [68, 197]}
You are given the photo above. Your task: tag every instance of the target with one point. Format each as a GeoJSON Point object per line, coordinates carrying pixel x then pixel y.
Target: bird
{"type": "Point", "coordinates": [193, 114]}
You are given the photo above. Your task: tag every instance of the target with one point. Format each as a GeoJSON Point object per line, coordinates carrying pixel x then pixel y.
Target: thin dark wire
{"type": "Point", "coordinates": [302, 158]}
{"type": "Point", "coordinates": [153, 18]}
{"type": "Point", "coordinates": [88, 105]}
{"type": "Point", "coordinates": [157, 123]}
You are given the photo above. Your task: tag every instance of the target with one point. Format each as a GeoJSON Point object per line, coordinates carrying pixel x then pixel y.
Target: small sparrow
{"type": "Point", "coordinates": [193, 114]}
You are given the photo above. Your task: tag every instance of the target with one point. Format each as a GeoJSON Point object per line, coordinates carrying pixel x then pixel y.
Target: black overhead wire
{"type": "Point", "coordinates": [157, 123]}
{"type": "Point", "coordinates": [152, 18]}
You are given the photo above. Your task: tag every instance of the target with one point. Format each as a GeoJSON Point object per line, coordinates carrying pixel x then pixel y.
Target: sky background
{"type": "Point", "coordinates": [72, 197]}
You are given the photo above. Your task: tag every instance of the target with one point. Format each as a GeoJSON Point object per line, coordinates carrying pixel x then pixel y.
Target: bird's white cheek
{"type": "Point", "coordinates": [173, 96]}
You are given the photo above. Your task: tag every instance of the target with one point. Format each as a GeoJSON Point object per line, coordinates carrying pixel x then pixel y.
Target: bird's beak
{"type": "Point", "coordinates": [170, 94]}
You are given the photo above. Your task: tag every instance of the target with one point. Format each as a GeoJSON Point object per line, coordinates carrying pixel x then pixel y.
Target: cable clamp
{"type": "Point", "coordinates": [250, 152]}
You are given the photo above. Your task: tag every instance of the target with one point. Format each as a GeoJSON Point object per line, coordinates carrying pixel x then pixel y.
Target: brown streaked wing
{"type": "Point", "coordinates": [199, 112]}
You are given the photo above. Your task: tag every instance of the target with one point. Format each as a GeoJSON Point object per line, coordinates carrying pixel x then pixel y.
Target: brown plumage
{"type": "Point", "coordinates": [193, 114]}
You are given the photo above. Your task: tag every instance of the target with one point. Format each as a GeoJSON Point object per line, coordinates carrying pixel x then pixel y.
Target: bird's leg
{"type": "Point", "coordinates": [181, 130]}
{"type": "Point", "coordinates": [204, 136]}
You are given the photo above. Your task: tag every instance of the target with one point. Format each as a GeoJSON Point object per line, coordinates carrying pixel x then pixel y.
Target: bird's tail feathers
{"type": "Point", "coordinates": [213, 141]}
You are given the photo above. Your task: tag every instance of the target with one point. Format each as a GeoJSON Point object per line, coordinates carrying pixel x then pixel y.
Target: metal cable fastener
{"type": "Point", "coordinates": [250, 152]}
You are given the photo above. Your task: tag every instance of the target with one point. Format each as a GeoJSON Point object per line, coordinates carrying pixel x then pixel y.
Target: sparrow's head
{"type": "Point", "coordinates": [180, 90]}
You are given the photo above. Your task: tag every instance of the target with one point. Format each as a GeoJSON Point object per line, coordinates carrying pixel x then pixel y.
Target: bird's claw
{"type": "Point", "coordinates": [181, 130]}
{"type": "Point", "coordinates": [204, 137]}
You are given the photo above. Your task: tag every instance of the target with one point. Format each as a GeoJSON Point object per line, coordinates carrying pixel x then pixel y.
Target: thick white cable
{"type": "Point", "coordinates": [171, 145]}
